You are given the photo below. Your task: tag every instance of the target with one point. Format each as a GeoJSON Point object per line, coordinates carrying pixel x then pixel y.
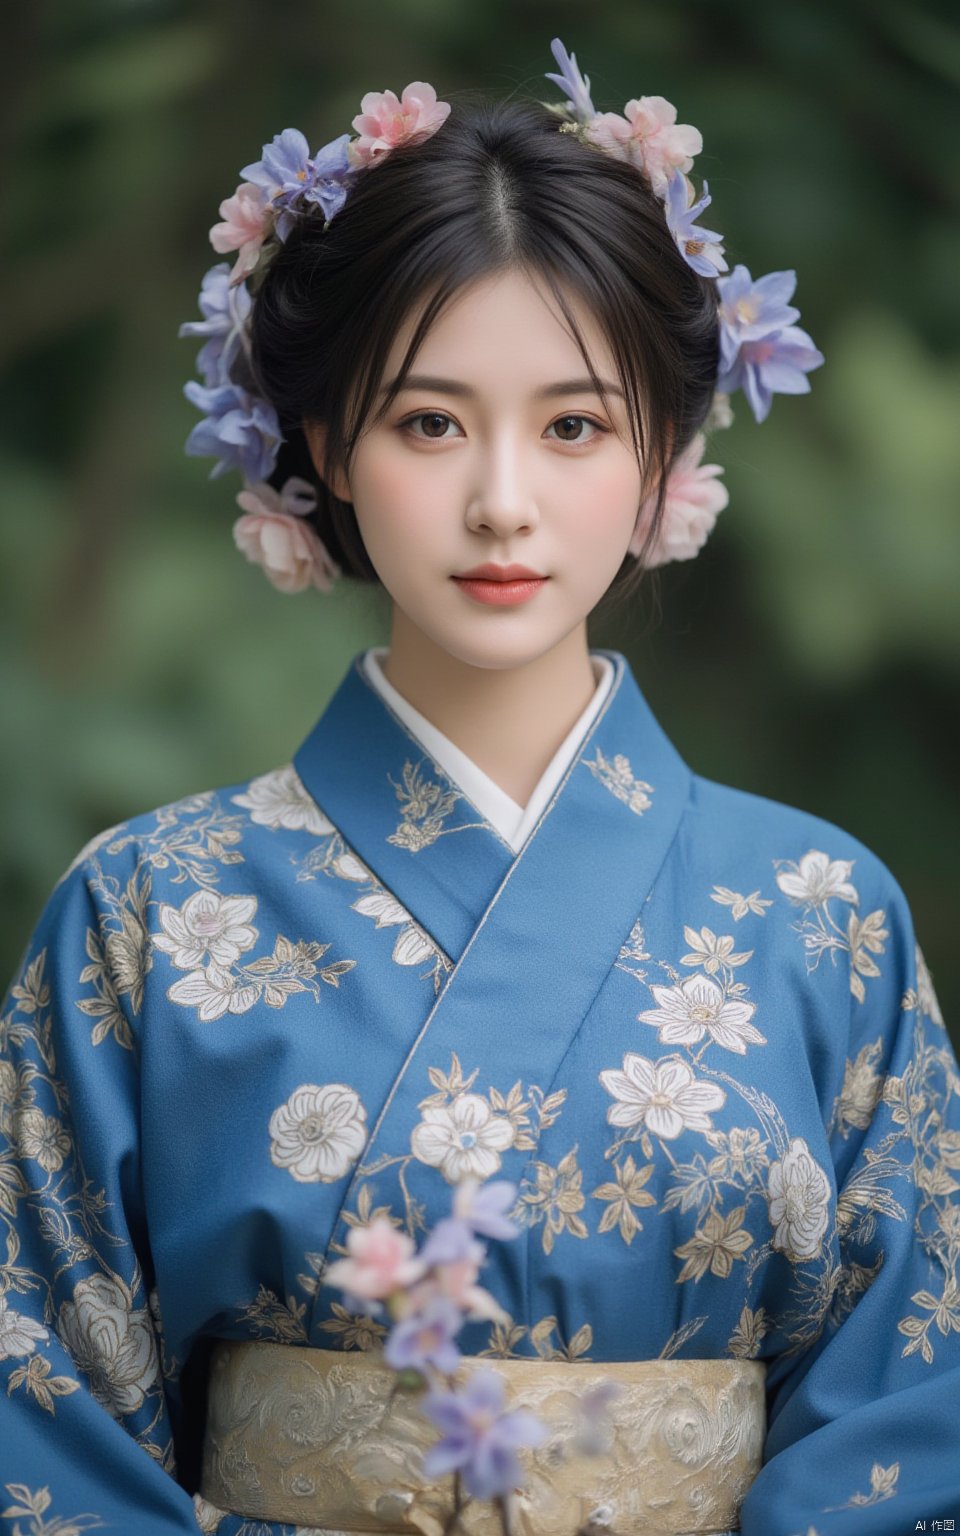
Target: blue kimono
{"type": "Point", "coordinates": [691, 1024]}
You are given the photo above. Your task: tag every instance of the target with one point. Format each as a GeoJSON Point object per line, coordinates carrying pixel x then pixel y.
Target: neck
{"type": "Point", "coordinates": [508, 720]}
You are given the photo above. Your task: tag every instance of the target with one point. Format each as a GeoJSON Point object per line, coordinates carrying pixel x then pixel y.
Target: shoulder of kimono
{"type": "Point", "coordinates": [120, 845]}
{"type": "Point", "coordinates": [731, 821]}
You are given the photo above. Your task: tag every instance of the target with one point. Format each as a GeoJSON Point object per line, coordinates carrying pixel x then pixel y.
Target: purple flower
{"type": "Point", "coordinates": [700, 248]}
{"type": "Point", "coordinates": [285, 165]}
{"type": "Point", "coordinates": [426, 1338]}
{"type": "Point", "coordinates": [241, 430]}
{"type": "Point", "coordinates": [225, 310]}
{"type": "Point", "coordinates": [775, 365]}
{"type": "Point", "coordinates": [571, 80]}
{"type": "Point", "coordinates": [481, 1206]}
{"type": "Point", "coordinates": [292, 177]}
{"type": "Point", "coordinates": [761, 351]}
{"type": "Point", "coordinates": [749, 310]}
{"type": "Point", "coordinates": [477, 1437]}
{"type": "Point", "coordinates": [452, 1242]}
{"type": "Point", "coordinates": [332, 175]}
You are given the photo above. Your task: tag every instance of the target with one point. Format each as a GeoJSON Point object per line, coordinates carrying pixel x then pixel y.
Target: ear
{"type": "Point", "coordinates": [315, 433]}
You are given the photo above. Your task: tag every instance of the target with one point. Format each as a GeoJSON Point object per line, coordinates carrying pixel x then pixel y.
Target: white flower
{"type": "Point", "coordinates": [111, 1342]}
{"type": "Point", "coordinates": [411, 947]}
{"type": "Point", "coordinates": [207, 924]}
{"type": "Point", "coordinates": [40, 1137]}
{"type": "Point", "coordinates": [688, 1012]}
{"type": "Point", "coordinates": [19, 1334]}
{"type": "Point", "coordinates": [318, 1133]}
{"type": "Point", "coordinates": [281, 799]}
{"type": "Point", "coordinates": [208, 1517]}
{"type": "Point", "coordinates": [799, 1193]}
{"type": "Point", "coordinates": [382, 906]}
{"type": "Point", "coordinates": [925, 989]}
{"type": "Point", "coordinates": [712, 951]}
{"type": "Point", "coordinates": [463, 1139]}
{"type": "Point", "coordinates": [214, 992]}
{"type": "Point", "coordinates": [660, 1095]}
{"type": "Point", "coordinates": [816, 878]}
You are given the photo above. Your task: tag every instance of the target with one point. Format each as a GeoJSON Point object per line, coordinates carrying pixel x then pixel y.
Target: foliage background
{"type": "Point", "coordinates": [810, 654]}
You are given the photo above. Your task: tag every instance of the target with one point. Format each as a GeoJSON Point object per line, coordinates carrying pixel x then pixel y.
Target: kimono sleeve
{"type": "Point", "coordinates": [864, 1428]}
{"type": "Point", "coordinates": [85, 1433]}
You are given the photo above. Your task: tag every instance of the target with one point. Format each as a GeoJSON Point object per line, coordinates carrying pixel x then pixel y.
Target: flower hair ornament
{"type": "Point", "coordinates": [762, 349]}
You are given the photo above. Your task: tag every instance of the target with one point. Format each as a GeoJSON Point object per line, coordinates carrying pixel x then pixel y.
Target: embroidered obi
{"type": "Point", "coordinates": [312, 1436]}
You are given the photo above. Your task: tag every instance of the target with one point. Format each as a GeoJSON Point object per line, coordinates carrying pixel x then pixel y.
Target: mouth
{"type": "Point", "coordinates": [505, 589]}
{"type": "Point", "coordinates": [491, 572]}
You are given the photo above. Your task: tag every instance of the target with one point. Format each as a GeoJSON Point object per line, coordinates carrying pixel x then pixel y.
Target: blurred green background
{"type": "Point", "coordinates": [810, 654]}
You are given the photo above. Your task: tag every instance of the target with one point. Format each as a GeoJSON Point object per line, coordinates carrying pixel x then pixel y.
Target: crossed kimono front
{"type": "Point", "coordinates": [693, 1026]}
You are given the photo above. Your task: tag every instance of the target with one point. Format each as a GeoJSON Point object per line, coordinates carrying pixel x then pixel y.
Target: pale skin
{"type": "Point", "coordinates": [486, 467]}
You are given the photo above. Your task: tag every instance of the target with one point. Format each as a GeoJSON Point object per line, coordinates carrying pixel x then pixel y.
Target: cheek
{"type": "Point", "coordinates": [603, 509]}
{"type": "Point", "coordinates": [396, 497]}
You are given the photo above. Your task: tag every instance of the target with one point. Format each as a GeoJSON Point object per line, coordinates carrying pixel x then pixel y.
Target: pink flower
{"type": "Point", "coordinates": [274, 535]}
{"type": "Point", "coordinates": [693, 500]}
{"type": "Point", "coordinates": [649, 136]}
{"type": "Point", "coordinates": [456, 1282]}
{"type": "Point", "coordinates": [384, 122]}
{"type": "Point", "coordinates": [247, 217]}
{"type": "Point", "coordinates": [381, 1261]}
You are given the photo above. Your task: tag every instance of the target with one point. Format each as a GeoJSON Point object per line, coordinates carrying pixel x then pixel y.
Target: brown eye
{"type": "Point", "coordinates": [435, 424]}
{"type": "Point", "coordinates": [572, 424]}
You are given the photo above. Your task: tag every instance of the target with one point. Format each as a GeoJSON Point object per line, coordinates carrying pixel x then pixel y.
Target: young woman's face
{"type": "Point", "coordinates": [501, 454]}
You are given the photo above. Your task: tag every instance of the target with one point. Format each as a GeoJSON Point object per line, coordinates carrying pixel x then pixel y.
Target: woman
{"type": "Point", "coordinates": [486, 922]}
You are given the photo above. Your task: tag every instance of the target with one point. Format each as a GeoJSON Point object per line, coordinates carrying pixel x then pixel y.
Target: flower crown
{"type": "Point", "coordinates": [762, 350]}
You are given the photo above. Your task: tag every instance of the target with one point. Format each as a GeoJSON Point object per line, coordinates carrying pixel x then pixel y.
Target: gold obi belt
{"type": "Point", "coordinates": [312, 1437]}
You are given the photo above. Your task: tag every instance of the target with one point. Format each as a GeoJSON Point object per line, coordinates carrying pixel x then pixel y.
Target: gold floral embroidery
{"type": "Point", "coordinates": [740, 905]}
{"type": "Point", "coordinates": [33, 1504]}
{"type": "Point", "coordinates": [746, 1338]}
{"type": "Point", "coordinates": [860, 1092]}
{"type": "Point", "coordinates": [504, 1335]}
{"type": "Point", "coordinates": [280, 800]}
{"type": "Point", "coordinates": [108, 1335]}
{"type": "Point", "coordinates": [812, 884]}
{"type": "Point", "coordinates": [206, 937]}
{"type": "Point", "coordinates": [269, 1317]}
{"type": "Point", "coordinates": [191, 836]}
{"type": "Point", "coordinates": [708, 1006]}
{"type": "Point", "coordinates": [552, 1199]}
{"type": "Point", "coordinates": [715, 1245]}
{"type": "Point", "coordinates": [463, 1133]}
{"type": "Point", "coordinates": [633, 952]}
{"type": "Point", "coordinates": [661, 1099]}
{"type": "Point", "coordinates": [883, 1485]}
{"type": "Point", "coordinates": [617, 776]}
{"type": "Point", "coordinates": [918, 1102]}
{"type": "Point", "coordinates": [622, 1196]}
{"type": "Point", "coordinates": [356, 1331]}
{"type": "Point", "coordinates": [424, 807]}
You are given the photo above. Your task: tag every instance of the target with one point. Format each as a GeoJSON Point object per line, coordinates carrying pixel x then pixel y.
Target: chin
{"type": "Point", "coordinates": [498, 651]}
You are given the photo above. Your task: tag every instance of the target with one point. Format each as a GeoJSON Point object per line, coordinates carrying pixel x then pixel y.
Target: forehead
{"type": "Point", "coordinates": [507, 323]}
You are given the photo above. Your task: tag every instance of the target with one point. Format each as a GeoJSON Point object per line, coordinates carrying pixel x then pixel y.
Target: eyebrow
{"type": "Point", "coordinates": [455, 387]}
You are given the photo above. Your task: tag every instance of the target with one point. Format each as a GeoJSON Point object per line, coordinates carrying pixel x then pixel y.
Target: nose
{"type": "Point", "coordinates": [502, 502]}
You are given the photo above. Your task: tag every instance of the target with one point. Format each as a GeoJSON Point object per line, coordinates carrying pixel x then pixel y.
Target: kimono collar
{"type": "Point", "coordinates": [616, 807]}
{"type": "Point", "coordinates": [514, 822]}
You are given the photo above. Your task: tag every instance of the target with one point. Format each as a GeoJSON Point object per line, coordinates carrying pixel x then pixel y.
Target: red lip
{"type": "Point", "coordinates": [491, 572]}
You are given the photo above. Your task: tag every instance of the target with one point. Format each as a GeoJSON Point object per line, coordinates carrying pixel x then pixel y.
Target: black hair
{"type": "Point", "coordinates": [500, 185]}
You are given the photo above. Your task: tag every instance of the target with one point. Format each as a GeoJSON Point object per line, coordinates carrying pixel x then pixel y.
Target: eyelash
{"type": "Point", "coordinates": [405, 425]}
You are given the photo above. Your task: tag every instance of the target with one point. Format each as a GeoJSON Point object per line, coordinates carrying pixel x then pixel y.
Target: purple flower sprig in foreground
{"type": "Point", "coordinates": [430, 1294]}
{"type": "Point", "coordinates": [479, 1440]}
